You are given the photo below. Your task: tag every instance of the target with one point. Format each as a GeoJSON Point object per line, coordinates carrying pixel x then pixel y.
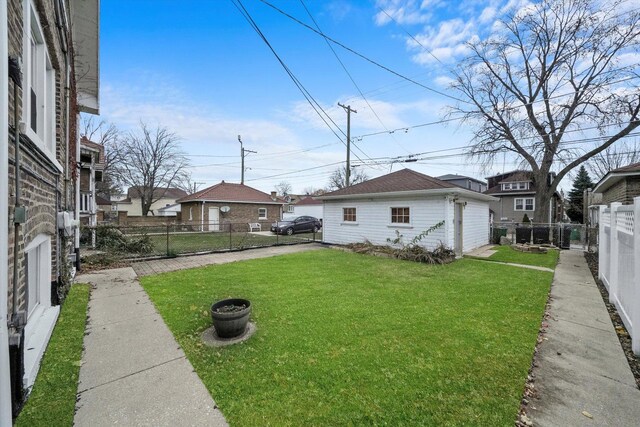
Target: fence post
{"type": "Point", "coordinates": [635, 301]}
{"type": "Point", "coordinates": [614, 249]}
{"type": "Point", "coordinates": [167, 239]}
{"type": "Point", "coordinates": [603, 256]}
{"type": "Point", "coordinates": [230, 238]}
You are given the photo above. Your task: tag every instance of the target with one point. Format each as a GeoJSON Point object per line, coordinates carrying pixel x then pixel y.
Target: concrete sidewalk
{"type": "Point", "coordinates": [581, 375]}
{"type": "Point", "coordinates": [133, 371]}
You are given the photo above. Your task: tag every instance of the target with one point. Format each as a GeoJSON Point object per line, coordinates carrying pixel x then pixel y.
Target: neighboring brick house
{"type": "Point", "coordinates": [620, 185]}
{"type": "Point", "coordinates": [91, 169]}
{"type": "Point", "coordinates": [465, 182]}
{"type": "Point", "coordinates": [516, 194]}
{"type": "Point", "coordinates": [162, 197]}
{"type": "Point", "coordinates": [48, 44]}
{"type": "Point", "coordinates": [214, 208]}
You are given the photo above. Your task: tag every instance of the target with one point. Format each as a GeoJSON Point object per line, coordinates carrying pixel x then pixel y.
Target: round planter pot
{"type": "Point", "coordinates": [231, 324]}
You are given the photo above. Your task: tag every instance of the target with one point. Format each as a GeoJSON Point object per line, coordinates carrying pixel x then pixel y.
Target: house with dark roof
{"type": "Point", "coordinates": [307, 206]}
{"type": "Point", "coordinates": [409, 203]}
{"type": "Point", "coordinates": [162, 197]}
{"type": "Point", "coordinates": [620, 185]}
{"type": "Point", "coordinates": [465, 182]}
{"type": "Point", "coordinates": [225, 205]}
{"type": "Point", "coordinates": [515, 196]}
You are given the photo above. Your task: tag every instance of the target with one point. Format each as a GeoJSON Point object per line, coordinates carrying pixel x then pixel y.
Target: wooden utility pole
{"type": "Point", "coordinates": [243, 154]}
{"type": "Point", "coordinates": [349, 110]}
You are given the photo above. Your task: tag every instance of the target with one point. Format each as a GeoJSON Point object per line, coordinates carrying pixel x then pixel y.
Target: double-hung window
{"type": "Point", "coordinates": [262, 213]}
{"type": "Point", "coordinates": [524, 204]}
{"type": "Point", "coordinates": [349, 214]}
{"type": "Point", "coordinates": [38, 85]}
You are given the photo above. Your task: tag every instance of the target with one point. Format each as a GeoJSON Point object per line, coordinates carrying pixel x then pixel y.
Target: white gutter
{"type": "Point", "coordinates": [461, 192]}
{"type": "Point", "coordinates": [611, 179]}
{"type": "Point", "coordinates": [5, 381]}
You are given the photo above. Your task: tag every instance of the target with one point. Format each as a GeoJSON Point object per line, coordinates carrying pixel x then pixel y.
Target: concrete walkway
{"type": "Point", "coordinates": [133, 371]}
{"type": "Point", "coordinates": [581, 375]}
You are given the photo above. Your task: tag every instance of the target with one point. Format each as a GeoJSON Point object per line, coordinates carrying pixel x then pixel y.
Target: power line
{"type": "Point", "coordinates": [348, 74]}
{"type": "Point", "coordinates": [310, 99]}
{"type": "Point", "coordinates": [361, 55]}
{"type": "Point", "coordinates": [410, 35]}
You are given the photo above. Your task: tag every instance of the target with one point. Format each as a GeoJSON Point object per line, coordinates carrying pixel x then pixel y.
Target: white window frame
{"type": "Point", "coordinates": [40, 76]}
{"type": "Point", "coordinates": [524, 204]}
{"type": "Point", "coordinates": [405, 224]}
{"type": "Point", "coordinates": [260, 215]}
{"type": "Point", "coordinates": [38, 263]}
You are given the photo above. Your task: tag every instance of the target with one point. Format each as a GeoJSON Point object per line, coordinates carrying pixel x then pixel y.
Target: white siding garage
{"type": "Point", "coordinates": [410, 203]}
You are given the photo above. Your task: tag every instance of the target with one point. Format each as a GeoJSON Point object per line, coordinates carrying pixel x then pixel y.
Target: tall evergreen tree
{"type": "Point", "coordinates": [581, 182]}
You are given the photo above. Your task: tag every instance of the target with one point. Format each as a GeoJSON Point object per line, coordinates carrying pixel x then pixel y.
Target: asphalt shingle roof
{"type": "Point", "coordinates": [227, 192]}
{"type": "Point", "coordinates": [402, 180]}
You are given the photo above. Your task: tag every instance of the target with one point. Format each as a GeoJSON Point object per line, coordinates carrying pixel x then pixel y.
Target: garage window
{"type": "Point", "coordinates": [400, 216]}
{"type": "Point", "coordinates": [349, 214]}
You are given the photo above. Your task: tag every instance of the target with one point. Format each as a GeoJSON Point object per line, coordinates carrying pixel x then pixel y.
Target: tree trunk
{"type": "Point", "coordinates": [544, 194]}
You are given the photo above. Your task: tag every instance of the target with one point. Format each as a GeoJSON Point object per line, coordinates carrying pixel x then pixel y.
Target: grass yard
{"type": "Point", "coordinates": [349, 339]}
{"type": "Point", "coordinates": [53, 398]}
{"type": "Point", "coordinates": [508, 254]}
{"type": "Point", "coordinates": [214, 241]}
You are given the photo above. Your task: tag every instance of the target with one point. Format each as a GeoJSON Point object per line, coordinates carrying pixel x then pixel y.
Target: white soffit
{"type": "Point", "coordinates": [86, 32]}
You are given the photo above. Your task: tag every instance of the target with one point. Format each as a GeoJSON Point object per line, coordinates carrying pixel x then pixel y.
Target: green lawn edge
{"type": "Point", "coordinates": [53, 398]}
{"type": "Point", "coordinates": [286, 371]}
{"type": "Point", "coordinates": [510, 255]}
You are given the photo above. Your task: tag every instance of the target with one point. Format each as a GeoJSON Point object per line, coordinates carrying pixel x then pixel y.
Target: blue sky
{"type": "Point", "coordinates": [198, 68]}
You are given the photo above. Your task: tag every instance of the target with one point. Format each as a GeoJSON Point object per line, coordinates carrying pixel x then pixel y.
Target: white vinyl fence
{"type": "Point", "coordinates": [619, 263]}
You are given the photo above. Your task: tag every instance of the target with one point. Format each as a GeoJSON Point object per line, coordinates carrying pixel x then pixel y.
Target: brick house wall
{"type": "Point", "coordinates": [44, 190]}
{"type": "Point", "coordinates": [240, 214]}
{"type": "Point", "coordinates": [623, 191]}
{"type": "Point", "coordinates": [42, 182]}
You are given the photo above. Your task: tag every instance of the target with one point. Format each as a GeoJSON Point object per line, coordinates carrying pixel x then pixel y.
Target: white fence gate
{"type": "Point", "coordinates": [619, 263]}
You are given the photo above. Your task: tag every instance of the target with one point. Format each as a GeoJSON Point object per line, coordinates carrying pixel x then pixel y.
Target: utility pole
{"type": "Point", "coordinates": [243, 154]}
{"type": "Point", "coordinates": [349, 110]}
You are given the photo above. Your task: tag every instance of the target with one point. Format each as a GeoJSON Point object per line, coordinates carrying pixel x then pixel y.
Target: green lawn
{"type": "Point", "coordinates": [53, 398]}
{"type": "Point", "coordinates": [216, 241]}
{"type": "Point", "coordinates": [349, 339]}
{"type": "Point", "coordinates": [508, 254]}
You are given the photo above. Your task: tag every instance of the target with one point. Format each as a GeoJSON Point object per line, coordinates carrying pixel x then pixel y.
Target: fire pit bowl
{"type": "Point", "coordinates": [230, 317]}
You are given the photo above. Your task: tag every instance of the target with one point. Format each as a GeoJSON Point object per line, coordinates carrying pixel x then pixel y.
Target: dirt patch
{"type": "Point", "coordinates": [621, 330]}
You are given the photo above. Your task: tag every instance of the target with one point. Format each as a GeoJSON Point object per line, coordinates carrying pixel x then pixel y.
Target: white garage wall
{"type": "Point", "coordinates": [374, 221]}
{"type": "Point", "coordinates": [475, 219]}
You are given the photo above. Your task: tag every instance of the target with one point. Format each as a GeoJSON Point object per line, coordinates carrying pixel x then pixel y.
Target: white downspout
{"type": "Point", "coordinates": [202, 217]}
{"type": "Point", "coordinates": [5, 384]}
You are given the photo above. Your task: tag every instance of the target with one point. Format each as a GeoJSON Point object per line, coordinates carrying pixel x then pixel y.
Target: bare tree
{"type": "Point", "coordinates": [614, 157]}
{"type": "Point", "coordinates": [554, 68]}
{"type": "Point", "coordinates": [312, 191]}
{"type": "Point", "coordinates": [283, 188]}
{"type": "Point", "coordinates": [337, 180]}
{"type": "Point", "coordinates": [107, 135]}
{"type": "Point", "coordinates": [150, 161]}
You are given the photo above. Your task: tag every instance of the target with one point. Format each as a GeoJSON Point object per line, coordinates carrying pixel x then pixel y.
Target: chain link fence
{"type": "Point", "coordinates": [181, 239]}
{"type": "Point", "coordinates": [561, 235]}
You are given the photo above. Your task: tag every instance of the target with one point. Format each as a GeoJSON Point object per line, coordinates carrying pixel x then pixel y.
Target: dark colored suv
{"type": "Point", "coordinates": [300, 224]}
